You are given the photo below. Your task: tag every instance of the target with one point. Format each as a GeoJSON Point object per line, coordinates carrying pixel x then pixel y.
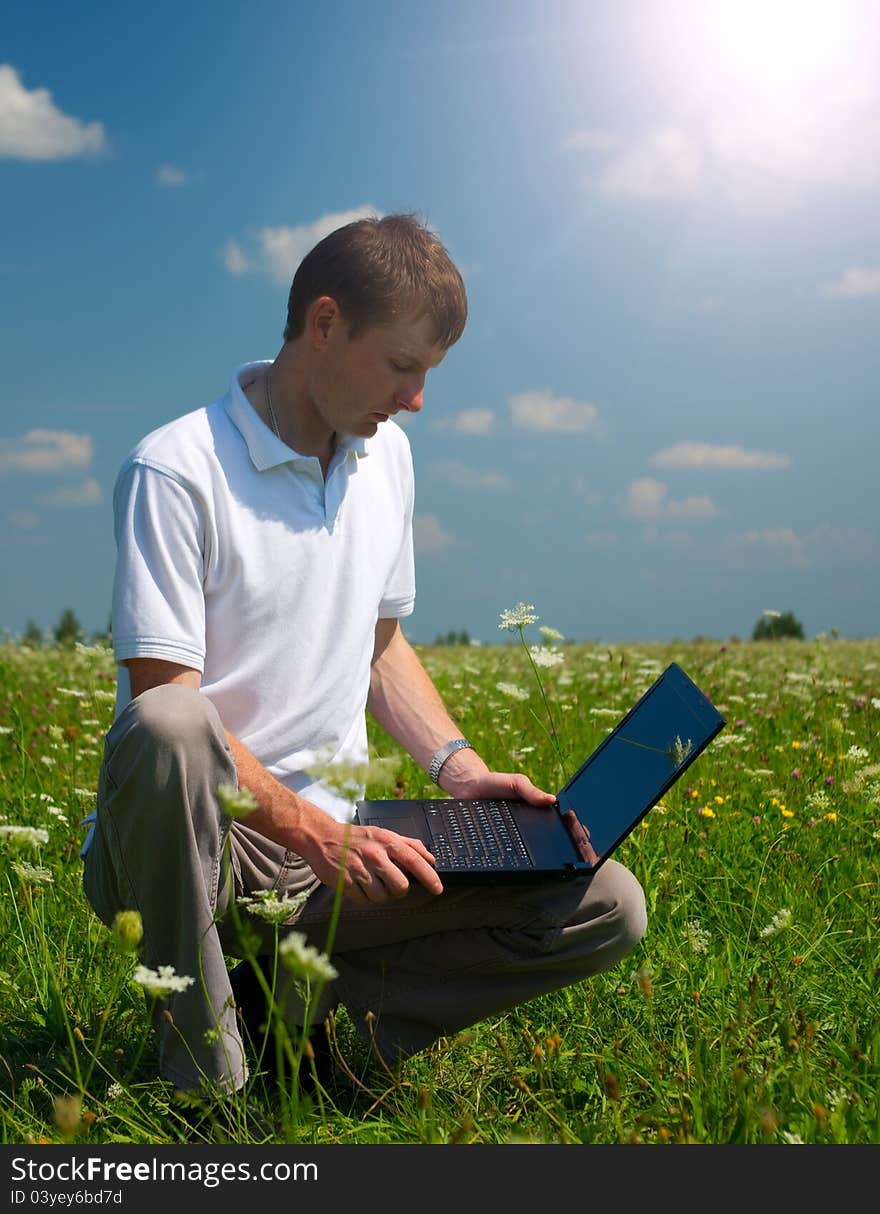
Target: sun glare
{"type": "Point", "coordinates": [785, 51]}
{"type": "Point", "coordinates": [783, 41]}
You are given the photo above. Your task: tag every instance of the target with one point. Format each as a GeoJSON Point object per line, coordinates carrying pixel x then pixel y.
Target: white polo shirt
{"type": "Point", "coordinates": [236, 557]}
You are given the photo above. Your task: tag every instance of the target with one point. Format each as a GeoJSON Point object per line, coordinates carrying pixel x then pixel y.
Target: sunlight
{"type": "Point", "coordinates": [784, 44]}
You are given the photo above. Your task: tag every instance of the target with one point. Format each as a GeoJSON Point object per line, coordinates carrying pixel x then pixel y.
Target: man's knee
{"type": "Point", "coordinates": [632, 913]}
{"type": "Point", "coordinates": [173, 715]}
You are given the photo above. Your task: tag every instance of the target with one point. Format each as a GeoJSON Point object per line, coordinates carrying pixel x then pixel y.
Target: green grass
{"type": "Point", "coordinates": [718, 1028]}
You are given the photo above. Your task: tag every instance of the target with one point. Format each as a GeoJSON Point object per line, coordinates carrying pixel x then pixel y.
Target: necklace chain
{"type": "Point", "coordinates": [272, 418]}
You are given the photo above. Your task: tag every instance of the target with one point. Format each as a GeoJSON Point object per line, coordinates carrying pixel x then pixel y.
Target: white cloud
{"type": "Point", "coordinates": [469, 421]}
{"type": "Point", "coordinates": [854, 283]}
{"type": "Point", "coordinates": [717, 456]}
{"type": "Point", "coordinates": [24, 520]}
{"type": "Point", "coordinates": [278, 251]}
{"type": "Point", "coordinates": [170, 175]}
{"type": "Point", "coordinates": [460, 476]}
{"type": "Point", "coordinates": [646, 500]}
{"type": "Point", "coordinates": [33, 128]}
{"type": "Point", "coordinates": [87, 493]}
{"type": "Point", "coordinates": [771, 544]}
{"type": "Point", "coordinates": [664, 164]}
{"type": "Point", "coordinates": [826, 545]}
{"type": "Point", "coordinates": [429, 537]}
{"type": "Point", "coordinates": [45, 451]}
{"type": "Point", "coordinates": [541, 410]}
{"type": "Point", "coordinates": [235, 259]}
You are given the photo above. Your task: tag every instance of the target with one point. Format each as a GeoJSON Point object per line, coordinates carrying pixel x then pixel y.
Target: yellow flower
{"type": "Point", "coordinates": [706, 812]}
{"type": "Point", "coordinates": [786, 813]}
{"type": "Point", "coordinates": [832, 817]}
{"type": "Point", "coordinates": [795, 745]}
{"type": "Point", "coordinates": [719, 800]}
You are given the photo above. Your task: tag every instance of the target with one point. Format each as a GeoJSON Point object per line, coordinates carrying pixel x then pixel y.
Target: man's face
{"type": "Point", "coordinates": [362, 381]}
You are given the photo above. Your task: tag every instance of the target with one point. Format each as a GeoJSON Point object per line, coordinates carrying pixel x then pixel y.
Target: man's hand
{"type": "Point", "coordinates": [465, 775]}
{"type": "Point", "coordinates": [376, 864]}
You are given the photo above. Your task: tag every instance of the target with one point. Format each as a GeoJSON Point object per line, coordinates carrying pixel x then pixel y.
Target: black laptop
{"type": "Point", "coordinates": [624, 777]}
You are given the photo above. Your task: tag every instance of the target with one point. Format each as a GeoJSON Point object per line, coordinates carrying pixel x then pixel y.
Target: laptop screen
{"type": "Point", "coordinates": [637, 763]}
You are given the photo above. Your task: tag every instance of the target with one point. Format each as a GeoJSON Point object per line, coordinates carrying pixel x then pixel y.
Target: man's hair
{"type": "Point", "coordinates": [378, 270]}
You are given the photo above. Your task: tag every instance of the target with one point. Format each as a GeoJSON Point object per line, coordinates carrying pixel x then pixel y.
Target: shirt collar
{"type": "Point", "coordinates": [264, 446]}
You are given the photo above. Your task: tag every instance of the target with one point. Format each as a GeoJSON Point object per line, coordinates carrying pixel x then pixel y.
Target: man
{"type": "Point", "coordinates": [264, 564]}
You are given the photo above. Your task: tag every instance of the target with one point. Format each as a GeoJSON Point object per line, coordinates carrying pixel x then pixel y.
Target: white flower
{"type": "Point", "coordinates": [161, 982]}
{"type": "Point", "coordinates": [790, 1139]}
{"type": "Point", "coordinates": [771, 614]}
{"type": "Point", "coordinates": [236, 802]}
{"type": "Point", "coordinates": [697, 936]}
{"type": "Point", "coordinates": [511, 689]}
{"type": "Point", "coordinates": [780, 921]}
{"type": "Point", "coordinates": [550, 634]}
{"type": "Point", "coordinates": [305, 961]}
{"type": "Point", "coordinates": [515, 618]}
{"type": "Point", "coordinates": [24, 836]}
{"type": "Point", "coordinates": [33, 874]}
{"type": "Point", "coordinates": [544, 656]}
{"type": "Point", "coordinates": [856, 752]}
{"type": "Point", "coordinates": [266, 904]}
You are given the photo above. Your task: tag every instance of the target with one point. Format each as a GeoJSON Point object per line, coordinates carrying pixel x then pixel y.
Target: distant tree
{"type": "Point", "coordinates": [68, 630]}
{"type": "Point", "coordinates": [33, 633]}
{"type": "Point", "coordinates": [772, 625]}
{"type": "Point", "coordinates": [453, 638]}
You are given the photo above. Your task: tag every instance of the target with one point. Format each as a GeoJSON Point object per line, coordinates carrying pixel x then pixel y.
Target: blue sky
{"type": "Point", "coordinates": [662, 419]}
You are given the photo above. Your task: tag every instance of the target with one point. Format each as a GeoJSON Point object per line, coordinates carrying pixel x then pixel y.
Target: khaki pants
{"type": "Point", "coordinates": [424, 966]}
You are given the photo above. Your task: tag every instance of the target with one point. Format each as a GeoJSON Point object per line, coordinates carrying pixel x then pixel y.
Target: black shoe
{"type": "Point", "coordinates": [258, 1031]}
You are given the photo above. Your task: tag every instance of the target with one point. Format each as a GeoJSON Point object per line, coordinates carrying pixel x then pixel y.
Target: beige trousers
{"type": "Point", "coordinates": [409, 970]}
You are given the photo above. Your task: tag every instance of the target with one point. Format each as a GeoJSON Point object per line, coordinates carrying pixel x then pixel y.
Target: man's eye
{"type": "Point", "coordinates": [399, 367]}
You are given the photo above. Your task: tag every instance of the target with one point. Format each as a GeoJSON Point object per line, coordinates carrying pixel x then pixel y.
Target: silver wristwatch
{"type": "Point", "coordinates": [447, 749]}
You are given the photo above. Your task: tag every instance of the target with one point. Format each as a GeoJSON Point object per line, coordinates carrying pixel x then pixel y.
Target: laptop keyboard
{"type": "Point", "coordinates": [475, 834]}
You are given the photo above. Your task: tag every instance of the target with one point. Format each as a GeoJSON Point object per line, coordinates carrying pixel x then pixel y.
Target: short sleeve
{"type": "Point", "coordinates": [399, 597]}
{"type": "Point", "coordinates": [158, 588]}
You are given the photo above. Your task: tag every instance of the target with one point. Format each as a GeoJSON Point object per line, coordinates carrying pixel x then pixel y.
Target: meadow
{"type": "Point", "coordinates": [748, 1014]}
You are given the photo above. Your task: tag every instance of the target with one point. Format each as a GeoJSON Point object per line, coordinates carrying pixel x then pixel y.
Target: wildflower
{"type": "Point", "coordinates": [511, 689]}
{"type": "Point", "coordinates": [679, 750]}
{"type": "Point", "coordinates": [856, 752]}
{"type": "Point", "coordinates": [541, 655]}
{"type": "Point", "coordinates": [780, 921]}
{"type": "Point", "coordinates": [266, 905]}
{"type": "Point", "coordinates": [771, 614]}
{"type": "Point", "coordinates": [515, 618]}
{"type": "Point", "coordinates": [305, 961]}
{"type": "Point", "coordinates": [236, 802]}
{"type": "Point", "coordinates": [67, 1114]}
{"type": "Point", "coordinates": [33, 874]}
{"type": "Point", "coordinates": [818, 800]}
{"type": "Point", "coordinates": [550, 634]}
{"type": "Point", "coordinates": [128, 930]}
{"type": "Point", "coordinates": [697, 936]}
{"type": "Point", "coordinates": [706, 812]}
{"type": "Point", "coordinates": [161, 982]}
{"type": "Point", "coordinates": [831, 817]}
{"type": "Point", "coordinates": [23, 836]}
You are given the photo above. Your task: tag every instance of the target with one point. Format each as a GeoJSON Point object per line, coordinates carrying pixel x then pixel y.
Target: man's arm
{"type": "Point", "coordinates": [376, 861]}
{"type": "Point", "coordinates": [408, 706]}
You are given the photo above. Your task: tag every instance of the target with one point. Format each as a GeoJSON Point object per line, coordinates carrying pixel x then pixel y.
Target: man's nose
{"type": "Point", "coordinates": [411, 398]}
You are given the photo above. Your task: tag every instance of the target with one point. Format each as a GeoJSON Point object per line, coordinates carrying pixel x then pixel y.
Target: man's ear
{"type": "Point", "coordinates": [321, 318]}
